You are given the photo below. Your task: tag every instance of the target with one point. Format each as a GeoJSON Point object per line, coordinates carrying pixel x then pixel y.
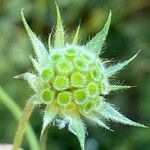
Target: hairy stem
{"type": "Point", "coordinates": [15, 110]}
{"type": "Point", "coordinates": [43, 142]}
{"type": "Point", "coordinates": [22, 124]}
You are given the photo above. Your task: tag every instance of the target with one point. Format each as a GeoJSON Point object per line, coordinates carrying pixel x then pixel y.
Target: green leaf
{"type": "Point", "coordinates": [76, 126]}
{"type": "Point", "coordinates": [117, 67]}
{"type": "Point", "coordinates": [95, 45]}
{"type": "Point", "coordinates": [76, 36]}
{"type": "Point", "coordinates": [49, 115]}
{"type": "Point", "coordinates": [59, 34]}
{"type": "Point", "coordinates": [40, 51]}
{"type": "Point", "coordinates": [109, 112]}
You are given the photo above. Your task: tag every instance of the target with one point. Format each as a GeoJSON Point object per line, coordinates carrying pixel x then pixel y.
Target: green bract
{"type": "Point", "coordinates": [71, 80]}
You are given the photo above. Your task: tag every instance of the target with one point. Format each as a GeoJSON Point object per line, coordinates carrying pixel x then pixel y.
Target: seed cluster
{"type": "Point", "coordinates": [71, 81]}
{"type": "Point", "coordinates": [73, 78]}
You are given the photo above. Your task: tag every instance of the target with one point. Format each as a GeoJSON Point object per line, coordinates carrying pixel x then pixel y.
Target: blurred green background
{"type": "Point", "coordinates": [129, 32]}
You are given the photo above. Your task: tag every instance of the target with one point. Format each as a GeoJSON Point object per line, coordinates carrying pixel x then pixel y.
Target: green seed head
{"type": "Point", "coordinates": [73, 77]}
{"type": "Point", "coordinates": [73, 80]}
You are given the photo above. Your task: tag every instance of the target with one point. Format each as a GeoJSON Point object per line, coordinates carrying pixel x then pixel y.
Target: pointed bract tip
{"type": "Point", "coordinates": [133, 57]}
{"type": "Point", "coordinates": [96, 43]}
{"type": "Point", "coordinates": [57, 8]}
{"type": "Point", "coordinates": [22, 10]}
{"type": "Point", "coordinates": [49, 42]}
{"type": "Point", "coordinates": [119, 87]}
{"type": "Point", "coordinates": [22, 14]}
{"type": "Point", "coordinates": [76, 36]}
{"type": "Point", "coordinates": [110, 71]}
{"type": "Point", "coordinates": [110, 13]}
{"type": "Point", "coordinates": [18, 76]}
{"type": "Point", "coordinates": [136, 54]}
{"type": "Point", "coordinates": [109, 129]}
{"type": "Point", "coordinates": [58, 12]}
{"type": "Point", "coordinates": [139, 51]}
{"type": "Point", "coordinates": [142, 126]}
{"type": "Point", "coordinates": [59, 33]}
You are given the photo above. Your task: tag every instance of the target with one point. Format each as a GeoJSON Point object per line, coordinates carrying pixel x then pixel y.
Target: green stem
{"type": "Point", "coordinates": [43, 142]}
{"type": "Point", "coordinates": [10, 104]}
{"type": "Point", "coordinates": [22, 124]}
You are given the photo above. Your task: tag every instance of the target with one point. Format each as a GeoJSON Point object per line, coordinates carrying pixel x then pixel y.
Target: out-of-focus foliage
{"type": "Point", "coordinates": [129, 32]}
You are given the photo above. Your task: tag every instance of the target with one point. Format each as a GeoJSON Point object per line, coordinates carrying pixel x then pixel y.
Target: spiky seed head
{"type": "Point", "coordinates": [72, 79]}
